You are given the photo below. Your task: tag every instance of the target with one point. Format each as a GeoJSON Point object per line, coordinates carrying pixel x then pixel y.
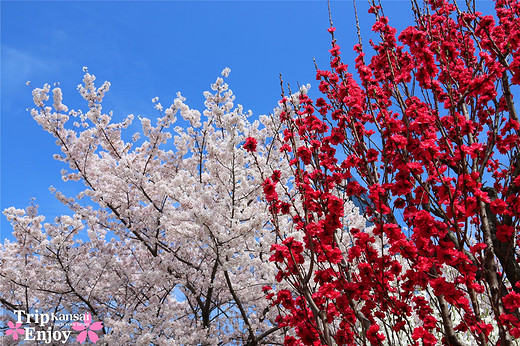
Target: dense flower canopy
{"type": "Point", "coordinates": [429, 131]}
{"type": "Point", "coordinates": [215, 229]}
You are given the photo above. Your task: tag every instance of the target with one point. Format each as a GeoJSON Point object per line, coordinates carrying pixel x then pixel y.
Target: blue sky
{"type": "Point", "coordinates": [149, 49]}
{"type": "Point", "coordinates": [145, 49]}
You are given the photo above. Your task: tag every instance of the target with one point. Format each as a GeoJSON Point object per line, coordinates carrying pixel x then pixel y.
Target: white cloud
{"type": "Point", "coordinates": [19, 66]}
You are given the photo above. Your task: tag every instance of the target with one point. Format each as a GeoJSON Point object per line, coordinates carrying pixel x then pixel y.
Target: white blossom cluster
{"type": "Point", "coordinates": [169, 242]}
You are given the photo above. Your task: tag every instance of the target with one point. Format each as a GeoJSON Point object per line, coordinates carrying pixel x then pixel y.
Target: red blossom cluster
{"type": "Point", "coordinates": [250, 144]}
{"type": "Point", "coordinates": [429, 131]}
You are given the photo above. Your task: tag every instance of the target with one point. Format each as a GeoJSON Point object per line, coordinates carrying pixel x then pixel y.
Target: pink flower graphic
{"type": "Point", "coordinates": [86, 329]}
{"type": "Point", "coordinates": [14, 330]}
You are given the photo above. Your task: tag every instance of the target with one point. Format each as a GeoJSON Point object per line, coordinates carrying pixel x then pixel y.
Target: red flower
{"type": "Point", "coordinates": [270, 190]}
{"type": "Point", "coordinates": [250, 144]}
{"type": "Point", "coordinates": [373, 336]}
{"type": "Point", "coordinates": [504, 233]}
{"type": "Point", "coordinates": [512, 301]}
{"type": "Point", "coordinates": [477, 247]}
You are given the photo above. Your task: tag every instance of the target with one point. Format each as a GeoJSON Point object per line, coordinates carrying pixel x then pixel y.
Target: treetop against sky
{"type": "Point", "coordinates": [149, 49]}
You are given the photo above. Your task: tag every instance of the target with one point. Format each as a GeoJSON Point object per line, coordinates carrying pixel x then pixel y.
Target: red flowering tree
{"type": "Point", "coordinates": [426, 137]}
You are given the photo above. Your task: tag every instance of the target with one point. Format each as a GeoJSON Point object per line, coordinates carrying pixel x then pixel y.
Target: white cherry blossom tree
{"type": "Point", "coordinates": [169, 242]}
